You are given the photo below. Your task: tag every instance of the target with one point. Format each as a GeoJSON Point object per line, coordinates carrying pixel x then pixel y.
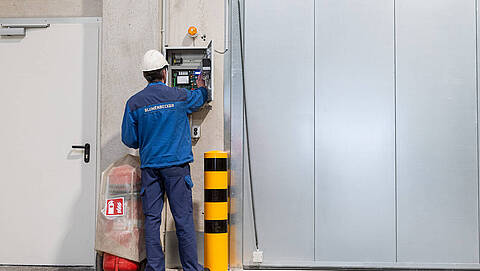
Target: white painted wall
{"type": "Point", "coordinates": [50, 8]}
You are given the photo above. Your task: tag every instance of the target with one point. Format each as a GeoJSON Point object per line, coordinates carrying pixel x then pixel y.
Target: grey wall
{"type": "Point", "coordinates": [208, 17]}
{"type": "Point", "coordinates": [354, 92]}
{"type": "Point", "coordinates": [281, 124]}
{"type": "Point", "coordinates": [396, 127]}
{"type": "Point", "coordinates": [437, 165]}
{"type": "Point", "coordinates": [50, 8]}
{"type": "Point", "coordinates": [130, 28]}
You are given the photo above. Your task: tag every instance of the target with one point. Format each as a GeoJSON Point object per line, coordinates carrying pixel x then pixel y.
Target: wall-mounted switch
{"type": "Point", "coordinates": [195, 131]}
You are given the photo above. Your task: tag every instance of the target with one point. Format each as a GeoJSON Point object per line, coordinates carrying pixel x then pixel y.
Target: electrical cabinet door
{"type": "Point", "coordinates": [354, 131]}
{"type": "Point", "coordinates": [437, 132]}
{"type": "Point", "coordinates": [279, 84]}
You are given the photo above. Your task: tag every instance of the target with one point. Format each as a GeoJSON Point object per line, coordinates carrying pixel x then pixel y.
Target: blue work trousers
{"type": "Point", "coordinates": [177, 183]}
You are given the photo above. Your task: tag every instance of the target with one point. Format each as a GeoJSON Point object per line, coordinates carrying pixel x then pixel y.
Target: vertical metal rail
{"type": "Point", "coordinates": [477, 101]}
{"type": "Point", "coordinates": [395, 166]}
{"type": "Point", "coordinates": [315, 118]}
{"type": "Point", "coordinates": [246, 125]}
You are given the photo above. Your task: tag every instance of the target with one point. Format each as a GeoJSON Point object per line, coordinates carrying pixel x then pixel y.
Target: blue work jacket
{"type": "Point", "coordinates": [156, 122]}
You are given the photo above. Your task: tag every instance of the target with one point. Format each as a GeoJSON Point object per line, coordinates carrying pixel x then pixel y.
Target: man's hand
{"type": "Point", "coordinates": [200, 81]}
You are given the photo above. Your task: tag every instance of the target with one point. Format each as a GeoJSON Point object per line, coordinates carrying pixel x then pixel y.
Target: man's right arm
{"type": "Point", "coordinates": [197, 97]}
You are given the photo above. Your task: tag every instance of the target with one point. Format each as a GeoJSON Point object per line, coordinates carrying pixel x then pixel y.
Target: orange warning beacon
{"type": "Point", "coordinates": [192, 31]}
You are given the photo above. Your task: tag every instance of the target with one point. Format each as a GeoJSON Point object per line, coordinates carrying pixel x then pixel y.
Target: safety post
{"type": "Point", "coordinates": [216, 211]}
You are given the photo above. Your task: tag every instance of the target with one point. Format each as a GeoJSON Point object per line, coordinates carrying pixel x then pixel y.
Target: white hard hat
{"type": "Point", "coordinates": [153, 60]}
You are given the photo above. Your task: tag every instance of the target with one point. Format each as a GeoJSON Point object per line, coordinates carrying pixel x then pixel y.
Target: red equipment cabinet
{"type": "Point", "coordinates": [114, 263]}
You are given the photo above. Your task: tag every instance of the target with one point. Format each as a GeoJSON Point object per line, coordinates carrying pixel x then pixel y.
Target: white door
{"type": "Point", "coordinates": [48, 94]}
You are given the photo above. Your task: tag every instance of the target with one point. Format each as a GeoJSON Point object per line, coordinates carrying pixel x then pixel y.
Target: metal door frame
{"type": "Point", "coordinates": [77, 20]}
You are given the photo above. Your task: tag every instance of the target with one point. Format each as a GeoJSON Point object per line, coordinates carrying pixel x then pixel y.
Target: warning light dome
{"type": "Point", "coordinates": [192, 31]}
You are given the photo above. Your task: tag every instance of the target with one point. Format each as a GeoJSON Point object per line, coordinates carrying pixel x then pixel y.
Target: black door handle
{"type": "Point", "coordinates": [86, 152]}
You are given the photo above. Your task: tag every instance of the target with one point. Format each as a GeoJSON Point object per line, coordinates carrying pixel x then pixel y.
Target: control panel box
{"type": "Point", "coordinates": [187, 63]}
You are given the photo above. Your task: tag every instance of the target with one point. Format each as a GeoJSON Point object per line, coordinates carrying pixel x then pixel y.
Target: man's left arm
{"type": "Point", "coordinates": [129, 129]}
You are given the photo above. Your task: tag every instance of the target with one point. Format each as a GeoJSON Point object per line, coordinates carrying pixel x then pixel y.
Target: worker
{"type": "Point", "coordinates": [156, 122]}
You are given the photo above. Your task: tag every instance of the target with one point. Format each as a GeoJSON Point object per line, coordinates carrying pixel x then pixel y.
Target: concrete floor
{"type": "Point", "coordinates": [49, 268]}
{"type": "Point", "coordinates": [43, 268]}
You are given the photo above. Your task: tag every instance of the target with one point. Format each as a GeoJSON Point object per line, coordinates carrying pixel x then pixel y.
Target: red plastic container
{"type": "Point", "coordinates": [114, 263]}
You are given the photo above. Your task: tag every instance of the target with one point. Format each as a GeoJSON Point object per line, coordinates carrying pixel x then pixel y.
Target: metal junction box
{"type": "Point", "coordinates": [187, 63]}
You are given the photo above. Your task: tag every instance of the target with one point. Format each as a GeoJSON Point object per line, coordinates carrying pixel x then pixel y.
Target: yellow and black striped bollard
{"type": "Point", "coordinates": [216, 211]}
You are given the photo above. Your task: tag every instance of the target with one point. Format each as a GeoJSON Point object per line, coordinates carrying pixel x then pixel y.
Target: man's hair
{"type": "Point", "coordinates": [155, 75]}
